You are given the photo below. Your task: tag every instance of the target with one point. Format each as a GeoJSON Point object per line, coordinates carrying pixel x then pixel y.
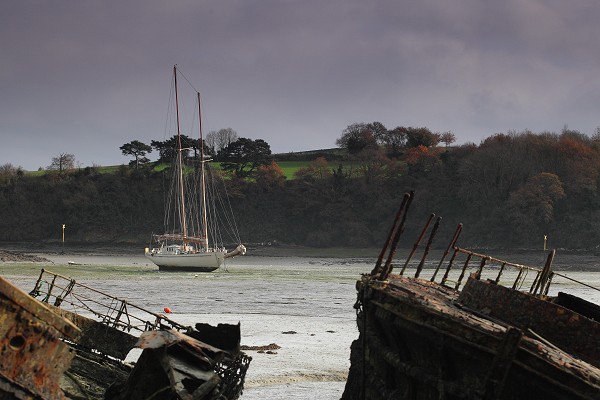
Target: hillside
{"type": "Point", "coordinates": [509, 191]}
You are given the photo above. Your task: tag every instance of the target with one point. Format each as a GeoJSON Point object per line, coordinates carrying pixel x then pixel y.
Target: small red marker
{"type": "Point", "coordinates": [167, 310]}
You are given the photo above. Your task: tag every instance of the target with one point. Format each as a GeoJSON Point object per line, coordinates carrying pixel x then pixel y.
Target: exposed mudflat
{"type": "Point", "coordinates": [15, 256]}
{"type": "Point", "coordinates": [296, 310]}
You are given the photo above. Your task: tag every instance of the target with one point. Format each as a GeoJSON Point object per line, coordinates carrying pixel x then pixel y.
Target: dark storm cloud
{"type": "Point", "coordinates": [87, 76]}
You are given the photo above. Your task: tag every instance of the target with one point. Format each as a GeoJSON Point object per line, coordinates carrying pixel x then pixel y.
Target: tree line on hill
{"type": "Point", "coordinates": [509, 191]}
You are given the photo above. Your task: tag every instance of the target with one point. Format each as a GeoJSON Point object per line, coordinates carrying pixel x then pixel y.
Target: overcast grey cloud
{"type": "Point", "coordinates": [85, 77]}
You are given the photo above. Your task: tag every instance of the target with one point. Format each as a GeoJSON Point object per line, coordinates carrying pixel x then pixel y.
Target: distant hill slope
{"type": "Point", "coordinates": [310, 155]}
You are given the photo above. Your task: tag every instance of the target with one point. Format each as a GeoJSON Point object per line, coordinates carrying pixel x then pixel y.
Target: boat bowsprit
{"type": "Point", "coordinates": [238, 251]}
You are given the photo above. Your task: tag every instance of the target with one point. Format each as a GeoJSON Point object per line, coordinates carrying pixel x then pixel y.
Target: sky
{"type": "Point", "coordinates": [86, 76]}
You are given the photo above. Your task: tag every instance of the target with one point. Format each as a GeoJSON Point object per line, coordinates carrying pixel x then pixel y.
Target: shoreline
{"type": "Point", "coordinates": [132, 249]}
{"type": "Point", "coordinates": [271, 249]}
{"type": "Point", "coordinates": [111, 254]}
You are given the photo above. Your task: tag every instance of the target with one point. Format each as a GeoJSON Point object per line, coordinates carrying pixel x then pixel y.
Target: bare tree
{"type": "Point", "coordinates": [218, 140]}
{"type": "Point", "coordinates": [596, 135]}
{"type": "Point", "coordinates": [9, 169]}
{"type": "Point", "coordinates": [448, 138]}
{"type": "Point", "coordinates": [62, 162]}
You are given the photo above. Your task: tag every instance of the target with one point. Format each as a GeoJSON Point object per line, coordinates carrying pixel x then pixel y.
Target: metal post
{"type": "Point", "coordinates": [428, 246]}
{"type": "Point", "coordinates": [462, 273]}
{"type": "Point", "coordinates": [500, 272]}
{"type": "Point", "coordinates": [63, 239]}
{"type": "Point", "coordinates": [450, 246]}
{"type": "Point", "coordinates": [543, 277]}
{"type": "Point", "coordinates": [480, 270]}
{"type": "Point", "coordinates": [518, 278]}
{"type": "Point", "coordinates": [395, 226]}
{"type": "Point", "coordinates": [416, 245]}
{"type": "Point", "coordinates": [449, 267]}
{"type": "Point", "coordinates": [387, 269]}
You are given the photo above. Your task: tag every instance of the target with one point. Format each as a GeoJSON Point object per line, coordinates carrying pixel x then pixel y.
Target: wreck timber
{"type": "Point", "coordinates": [456, 335]}
{"type": "Point", "coordinates": [33, 357]}
{"type": "Point", "coordinates": [52, 353]}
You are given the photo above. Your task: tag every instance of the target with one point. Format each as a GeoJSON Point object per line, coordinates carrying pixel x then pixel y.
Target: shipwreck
{"type": "Point", "coordinates": [51, 353]}
{"type": "Point", "coordinates": [471, 327]}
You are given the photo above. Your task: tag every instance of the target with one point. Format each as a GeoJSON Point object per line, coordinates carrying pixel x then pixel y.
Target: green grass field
{"type": "Point", "coordinates": [289, 168]}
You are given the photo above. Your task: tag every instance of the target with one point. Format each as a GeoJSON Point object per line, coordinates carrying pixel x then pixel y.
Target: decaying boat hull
{"type": "Point", "coordinates": [417, 343]}
{"type": "Point", "coordinates": [98, 362]}
{"type": "Point", "coordinates": [556, 320]}
{"type": "Point", "coordinates": [33, 357]}
{"type": "Point", "coordinates": [97, 336]}
{"type": "Point", "coordinates": [422, 339]}
{"type": "Point", "coordinates": [47, 352]}
{"type": "Point", "coordinates": [179, 367]}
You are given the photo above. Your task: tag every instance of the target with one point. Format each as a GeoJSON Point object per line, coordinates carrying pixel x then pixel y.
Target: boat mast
{"type": "Point", "coordinates": [202, 175]}
{"type": "Point", "coordinates": [180, 161]}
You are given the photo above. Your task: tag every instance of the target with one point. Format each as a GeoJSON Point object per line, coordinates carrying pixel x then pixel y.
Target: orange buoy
{"type": "Point", "coordinates": [167, 310]}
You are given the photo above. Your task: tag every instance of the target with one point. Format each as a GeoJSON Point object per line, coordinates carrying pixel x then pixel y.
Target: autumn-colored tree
{"type": "Point", "coordinates": [530, 208]}
{"type": "Point", "coordinates": [499, 166]}
{"type": "Point", "coordinates": [421, 159]}
{"type": "Point", "coordinates": [372, 163]}
{"type": "Point", "coordinates": [270, 176]}
{"type": "Point", "coordinates": [414, 154]}
{"type": "Point", "coordinates": [317, 169]}
{"type": "Point", "coordinates": [577, 163]}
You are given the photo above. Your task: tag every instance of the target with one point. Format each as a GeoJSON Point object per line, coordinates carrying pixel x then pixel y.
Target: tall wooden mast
{"type": "Point", "coordinates": [204, 218]}
{"type": "Point", "coordinates": [180, 162]}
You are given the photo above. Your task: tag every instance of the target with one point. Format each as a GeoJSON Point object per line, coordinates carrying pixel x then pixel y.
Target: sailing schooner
{"type": "Point", "coordinates": [185, 245]}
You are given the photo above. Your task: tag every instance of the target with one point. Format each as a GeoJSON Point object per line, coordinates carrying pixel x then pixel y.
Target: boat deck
{"type": "Point", "coordinates": [417, 340]}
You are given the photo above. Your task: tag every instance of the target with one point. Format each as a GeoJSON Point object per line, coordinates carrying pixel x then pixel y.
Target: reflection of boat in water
{"type": "Point", "coordinates": [433, 336]}
{"type": "Point", "coordinates": [49, 352]}
{"type": "Point", "coordinates": [185, 245]}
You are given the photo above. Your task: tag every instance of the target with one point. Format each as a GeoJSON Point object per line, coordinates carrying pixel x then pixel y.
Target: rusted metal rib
{"type": "Point", "coordinates": [395, 227]}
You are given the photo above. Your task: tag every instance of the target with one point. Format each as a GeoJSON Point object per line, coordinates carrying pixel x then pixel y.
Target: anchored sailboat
{"type": "Point", "coordinates": [185, 245]}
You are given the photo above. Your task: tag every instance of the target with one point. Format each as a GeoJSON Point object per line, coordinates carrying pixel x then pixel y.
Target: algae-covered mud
{"type": "Point", "coordinates": [304, 305]}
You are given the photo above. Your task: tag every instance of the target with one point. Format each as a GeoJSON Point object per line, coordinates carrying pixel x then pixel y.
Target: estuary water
{"type": "Point", "coordinates": [302, 304]}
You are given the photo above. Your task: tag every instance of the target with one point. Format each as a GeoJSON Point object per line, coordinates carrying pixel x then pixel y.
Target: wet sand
{"type": "Point", "coordinates": [304, 305]}
{"type": "Point", "coordinates": [272, 294]}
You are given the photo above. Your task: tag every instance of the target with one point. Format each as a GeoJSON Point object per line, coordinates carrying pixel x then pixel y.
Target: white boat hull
{"type": "Point", "coordinates": [196, 262]}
